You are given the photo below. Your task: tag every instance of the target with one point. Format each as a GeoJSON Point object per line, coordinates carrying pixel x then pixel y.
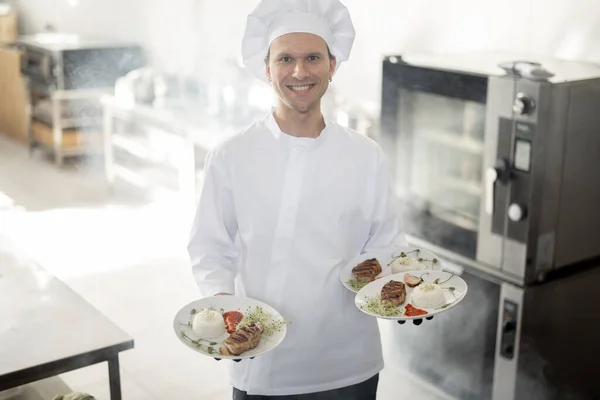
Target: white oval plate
{"type": "Point", "coordinates": [372, 292]}
{"type": "Point", "coordinates": [385, 257]}
{"type": "Point", "coordinates": [222, 304]}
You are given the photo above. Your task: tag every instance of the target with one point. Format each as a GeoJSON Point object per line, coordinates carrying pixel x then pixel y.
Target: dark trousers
{"type": "Point", "coordinates": [366, 390]}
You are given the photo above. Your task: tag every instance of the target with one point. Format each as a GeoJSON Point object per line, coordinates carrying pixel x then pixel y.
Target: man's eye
{"type": "Point", "coordinates": [286, 59]}
{"type": "Point", "coordinates": [313, 58]}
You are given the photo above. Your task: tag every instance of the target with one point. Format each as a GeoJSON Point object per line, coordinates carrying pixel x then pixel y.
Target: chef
{"type": "Point", "coordinates": [288, 202]}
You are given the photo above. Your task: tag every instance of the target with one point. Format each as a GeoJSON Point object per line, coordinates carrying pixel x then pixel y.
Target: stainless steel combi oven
{"type": "Point", "coordinates": [496, 165]}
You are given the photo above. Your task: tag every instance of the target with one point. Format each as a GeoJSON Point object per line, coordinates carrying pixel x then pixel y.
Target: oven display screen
{"type": "Point", "coordinates": [522, 155]}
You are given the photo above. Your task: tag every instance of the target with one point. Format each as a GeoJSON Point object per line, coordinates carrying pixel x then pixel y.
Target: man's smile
{"type": "Point", "coordinates": [300, 89]}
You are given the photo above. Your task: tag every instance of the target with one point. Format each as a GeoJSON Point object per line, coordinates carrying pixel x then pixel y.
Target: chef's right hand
{"type": "Point", "coordinates": [417, 321]}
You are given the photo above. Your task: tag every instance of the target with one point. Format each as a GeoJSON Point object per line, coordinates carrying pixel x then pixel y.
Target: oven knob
{"type": "Point", "coordinates": [523, 105]}
{"type": "Point", "coordinates": [516, 212]}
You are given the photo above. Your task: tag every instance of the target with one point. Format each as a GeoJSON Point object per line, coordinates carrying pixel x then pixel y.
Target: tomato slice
{"type": "Point", "coordinates": [232, 319]}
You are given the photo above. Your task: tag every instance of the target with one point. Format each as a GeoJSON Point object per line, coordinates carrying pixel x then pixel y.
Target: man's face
{"type": "Point", "coordinates": [299, 68]}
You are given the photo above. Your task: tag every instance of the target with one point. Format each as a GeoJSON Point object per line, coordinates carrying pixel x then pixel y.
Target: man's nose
{"type": "Point", "coordinates": [300, 71]}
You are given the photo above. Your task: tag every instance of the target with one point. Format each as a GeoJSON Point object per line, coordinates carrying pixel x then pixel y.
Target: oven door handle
{"type": "Point", "coordinates": [498, 173]}
{"type": "Point", "coordinates": [491, 176]}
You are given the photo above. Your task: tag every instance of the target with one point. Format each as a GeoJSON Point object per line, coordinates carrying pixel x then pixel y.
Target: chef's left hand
{"type": "Point", "coordinates": [235, 359]}
{"type": "Point", "coordinates": [417, 321]}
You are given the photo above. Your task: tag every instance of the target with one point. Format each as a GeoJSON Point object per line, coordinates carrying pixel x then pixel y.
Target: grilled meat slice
{"type": "Point", "coordinates": [412, 280]}
{"type": "Point", "coordinates": [245, 338]}
{"type": "Point", "coordinates": [393, 293]}
{"type": "Point", "coordinates": [367, 270]}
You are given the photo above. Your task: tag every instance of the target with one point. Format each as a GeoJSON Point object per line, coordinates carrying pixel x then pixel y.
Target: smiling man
{"type": "Point", "coordinates": [300, 66]}
{"type": "Point", "coordinates": [288, 202]}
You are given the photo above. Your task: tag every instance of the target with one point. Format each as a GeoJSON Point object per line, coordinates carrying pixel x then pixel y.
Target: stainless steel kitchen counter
{"type": "Point", "coordinates": [47, 329]}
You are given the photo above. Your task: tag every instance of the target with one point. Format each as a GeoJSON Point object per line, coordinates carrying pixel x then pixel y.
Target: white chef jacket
{"type": "Point", "coordinates": [283, 215]}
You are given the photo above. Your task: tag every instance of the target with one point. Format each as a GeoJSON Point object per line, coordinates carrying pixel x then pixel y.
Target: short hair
{"type": "Point", "coordinates": [328, 52]}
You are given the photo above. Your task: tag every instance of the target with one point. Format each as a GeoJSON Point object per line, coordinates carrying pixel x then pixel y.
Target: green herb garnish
{"type": "Point", "coordinates": [375, 306]}
{"type": "Point", "coordinates": [432, 261]}
{"type": "Point", "coordinates": [356, 284]}
{"type": "Point", "coordinates": [451, 289]}
{"type": "Point", "coordinates": [402, 255]}
{"type": "Point", "coordinates": [207, 349]}
{"type": "Point", "coordinates": [270, 325]}
{"type": "Point", "coordinates": [437, 281]}
{"type": "Point", "coordinates": [189, 324]}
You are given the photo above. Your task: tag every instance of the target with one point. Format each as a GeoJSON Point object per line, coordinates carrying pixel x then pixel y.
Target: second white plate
{"type": "Point", "coordinates": [386, 258]}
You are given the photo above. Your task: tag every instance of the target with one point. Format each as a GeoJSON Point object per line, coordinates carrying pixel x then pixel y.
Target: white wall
{"type": "Point", "coordinates": [201, 34]}
{"type": "Point", "coordinates": [567, 29]}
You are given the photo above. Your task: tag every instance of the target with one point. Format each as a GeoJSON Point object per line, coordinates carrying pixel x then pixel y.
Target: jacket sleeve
{"type": "Point", "coordinates": [211, 246]}
{"type": "Point", "coordinates": [386, 225]}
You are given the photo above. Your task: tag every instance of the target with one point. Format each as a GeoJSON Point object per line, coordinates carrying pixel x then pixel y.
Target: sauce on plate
{"type": "Point", "coordinates": [411, 311]}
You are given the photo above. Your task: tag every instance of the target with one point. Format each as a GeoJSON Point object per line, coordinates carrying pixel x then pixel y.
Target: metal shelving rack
{"type": "Point", "coordinates": [57, 124]}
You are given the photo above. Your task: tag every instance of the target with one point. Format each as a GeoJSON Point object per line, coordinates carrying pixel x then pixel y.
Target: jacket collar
{"type": "Point", "coordinates": [290, 140]}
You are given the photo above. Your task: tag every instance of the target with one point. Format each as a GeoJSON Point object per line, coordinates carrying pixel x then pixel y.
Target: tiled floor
{"type": "Point", "coordinates": [126, 256]}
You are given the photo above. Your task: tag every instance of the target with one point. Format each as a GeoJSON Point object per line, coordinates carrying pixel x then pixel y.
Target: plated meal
{"type": "Point", "coordinates": [368, 267]}
{"type": "Point", "coordinates": [230, 327]}
{"type": "Point", "coordinates": [411, 295]}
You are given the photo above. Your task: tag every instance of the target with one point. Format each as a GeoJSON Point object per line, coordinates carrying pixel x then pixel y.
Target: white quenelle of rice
{"type": "Point", "coordinates": [208, 324]}
{"type": "Point", "coordinates": [403, 264]}
{"type": "Point", "coordinates": [428, 295]}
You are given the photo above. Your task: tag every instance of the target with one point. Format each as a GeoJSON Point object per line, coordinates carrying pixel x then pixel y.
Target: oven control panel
{"type": "Point", "coordinates": [513, 183]}
{"type": "Point", "coordinates": [509, 329]}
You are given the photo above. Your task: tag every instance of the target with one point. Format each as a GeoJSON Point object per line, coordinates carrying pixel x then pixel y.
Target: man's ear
{"type": "Point", "coordinates": [332, 65]}
{"type": "Point", "coordinates": [267, 69]}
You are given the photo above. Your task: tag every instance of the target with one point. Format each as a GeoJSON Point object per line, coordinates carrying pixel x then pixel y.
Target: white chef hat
{"type": "Point", "coordinates": [271, 19]}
